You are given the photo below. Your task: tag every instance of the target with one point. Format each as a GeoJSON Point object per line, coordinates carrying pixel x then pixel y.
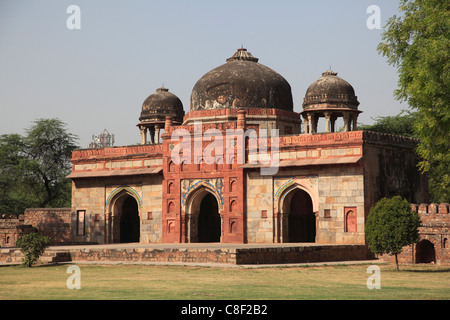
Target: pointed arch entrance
{"type": "Point", "coordinates": [209, 223]}
{"type": "Point", "coordinates": [123, 221]}
{"type": "Point", "coordinates": [129, 221]}
{"type": "Point", "coordinates": [203, 217]}
{"type": "Point", "coordinates": [298, 219]}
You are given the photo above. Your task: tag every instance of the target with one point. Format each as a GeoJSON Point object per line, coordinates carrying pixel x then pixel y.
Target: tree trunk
{"type": "Point", "coordinates": [396, 262]}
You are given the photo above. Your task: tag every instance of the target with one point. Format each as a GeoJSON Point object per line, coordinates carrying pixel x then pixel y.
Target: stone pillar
{"type": "Point", "coordinates": [241, 119]}
{"type": "Point", "coordinates": [143, 135]}
{"type": "Point", "coordinates": [310, 123]}
{"type": "Point", "coordinates": [315, 119]}
{"type": "Point", "coordinates": [108, 228]}
{"type": "Point", "coordinates": [346, 121]}
{"type": "Point", "coordinates": [152, 135]}
{"type": "Point", "coordinates": [333, 122]}
{"type": "Point", "coordinates": [327, 121]}
{"type": "Point", "coordinates": [276, 229]}
{"type": "Point", "coordinates": [168, 124]}
{"type": "Point", "coordinates": [157, 134]}
{"type": "Point", "coordinates": [355, 123]}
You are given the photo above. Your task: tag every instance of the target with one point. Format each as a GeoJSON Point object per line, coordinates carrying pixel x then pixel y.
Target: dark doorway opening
{"type": "Point", "coordinates": [425, 252]}
{"type": "Point", "coordinates": [209, 222]}
{"type": "Point", "coordinates": [302, 220]}
{"type": "Point", "coordinates": [129, 221]}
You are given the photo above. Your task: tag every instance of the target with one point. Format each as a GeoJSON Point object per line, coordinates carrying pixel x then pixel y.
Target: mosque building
{"type": "Point", "coordinates": [242, 166]}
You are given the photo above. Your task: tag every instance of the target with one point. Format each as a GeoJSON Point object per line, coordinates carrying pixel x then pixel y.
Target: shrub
{"type": "Point", "coordinates": [33, 245]}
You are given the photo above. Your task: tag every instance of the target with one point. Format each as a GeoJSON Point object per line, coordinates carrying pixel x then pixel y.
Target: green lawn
{"type": "Point", "coordinates": [202, 283]}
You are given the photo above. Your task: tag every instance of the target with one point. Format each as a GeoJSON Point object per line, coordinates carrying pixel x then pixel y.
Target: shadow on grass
{"type": "Point", "coordinates": [427, 270]}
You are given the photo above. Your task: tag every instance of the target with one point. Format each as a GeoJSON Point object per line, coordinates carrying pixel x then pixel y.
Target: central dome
{"type": "Point", "coordinates": [242, 83]}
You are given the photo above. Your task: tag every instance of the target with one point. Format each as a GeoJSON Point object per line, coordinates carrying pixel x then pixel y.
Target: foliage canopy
{"type": "Point", "coordinates": [391, 225]}
{"type": "Point", "coordinates": [33, 168]}
{"type": "Point", "coordinates": [418, 44]}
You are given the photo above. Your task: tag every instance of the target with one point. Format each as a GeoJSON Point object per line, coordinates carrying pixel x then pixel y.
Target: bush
{"type": "Point", "coordinates": [33, 245]}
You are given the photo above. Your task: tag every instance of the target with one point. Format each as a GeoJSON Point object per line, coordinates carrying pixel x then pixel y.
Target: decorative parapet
{"type": "Point", "coordinates": [432, 208]}
{"type": "Point", "coordinates": [433, 216]}
{"type": "Point", "coordinates": [105, 153]}
{"type": "Point", "coordinates": [391, 139]}
{"type": "Point", "coordinates": [234, 113]}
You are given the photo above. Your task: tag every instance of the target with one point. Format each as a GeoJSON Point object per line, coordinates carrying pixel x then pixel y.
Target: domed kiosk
{"type": "Point", "coordinates": [330, 97]}
{"type": "Point", "coordinates": [242, 83]}
{"type": "Point", "coordinates": [155, 108]}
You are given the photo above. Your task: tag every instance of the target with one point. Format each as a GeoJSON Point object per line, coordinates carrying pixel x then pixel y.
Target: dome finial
{"type": "Point", "coordinates": [242, 55]}
{"type": "Point", "coordinates": [162, 89]}
{"type": "Point", "coordinates": [329, 73]}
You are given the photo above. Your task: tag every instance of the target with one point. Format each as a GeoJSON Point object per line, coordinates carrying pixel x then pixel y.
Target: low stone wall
{"type": "Point", "coordinates": [273, 255]}
{"type": "Point", "coordinates": [306, 254]}
{"type": "Point", "coordinates": [155, 255]}
{"type": "Point", "coordinates": [12, 255]}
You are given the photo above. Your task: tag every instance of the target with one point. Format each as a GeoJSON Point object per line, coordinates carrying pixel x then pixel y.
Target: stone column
{"type": "Point", "coordinates": [310, 123]}
{"type": "Point", "coordinates": [327, 121]}
{"type": "Point", "coordinates": [152, 134]}
{"type": "Point", "coordinates": [333, 122]}
{"type": "Point", "coordinates": [241, 119]}
{"type": "Point", "coordinates": [143, 135]}
{"type": "Point", "coordinates": [157, 134]}
{"type": "Point", "coordinates": [108, 228]}
{"type": "Point", "coordinates": [355, 123]}
{"type": "Point", "coordinates": [346, 121]}
{"type": "Point", "coordinates": [276, 223]}
{"type": "Point", "coordinates": [315, 119]}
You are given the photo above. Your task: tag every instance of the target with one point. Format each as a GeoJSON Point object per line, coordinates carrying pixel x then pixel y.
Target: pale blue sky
{"type": "Point", "coordinates": [98, 77]}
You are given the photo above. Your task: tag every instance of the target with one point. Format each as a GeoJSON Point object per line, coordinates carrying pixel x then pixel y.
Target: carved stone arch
{"type": "Point", "coordinates": [285, 219]}
{"type": "Point", "coordinates": [114, 207]}
{"type": "Point", "coordinates": [287, 192]}
{"type": "Point", "coordinates": [192, 210]}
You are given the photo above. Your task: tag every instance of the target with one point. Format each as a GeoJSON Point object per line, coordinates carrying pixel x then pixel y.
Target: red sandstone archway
{"type": "Point", "coordinates": [203, 216]}
{"type": "Point", "coordinates": [209, 222]}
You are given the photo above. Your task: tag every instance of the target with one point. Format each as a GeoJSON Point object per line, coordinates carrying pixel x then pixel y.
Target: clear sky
{"type": "Point", "coordinates": [97, 77]}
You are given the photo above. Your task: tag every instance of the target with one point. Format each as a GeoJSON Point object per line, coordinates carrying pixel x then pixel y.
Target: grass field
{"type": "Point", "coordinates": [123, 282]}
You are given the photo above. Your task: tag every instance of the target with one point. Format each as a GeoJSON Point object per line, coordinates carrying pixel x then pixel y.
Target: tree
{"type": "Point", "coordinates": [418, 44]}
{"type": "Point", "coordinates": [33, 168]}
{"type": "Point", "coordinates": [12, 190]}
{"type": "Point", "coordinates": [49, 149]}
{"type": "Point", "coordinates": [401, 124]}
{"type": "Point", "coordinates": [32, 245]}
{"type": "Point", "coordinates": [391, 225]}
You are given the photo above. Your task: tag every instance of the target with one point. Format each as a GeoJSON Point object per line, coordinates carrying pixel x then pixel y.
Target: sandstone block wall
{"type": "Point", "coordinates": [96, 196]}
{"type": "Point", "coordinates": [332, 189]}
{"type": "Point", "coordinates": [53, 223]}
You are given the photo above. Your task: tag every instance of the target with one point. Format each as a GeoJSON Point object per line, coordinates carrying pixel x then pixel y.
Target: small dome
{"type": "Point", "coordinates": [242, 83]}
{"type": "Point", "coordinates": [160, 104]}
{"type": "Point", "coordinates": [332, 90]}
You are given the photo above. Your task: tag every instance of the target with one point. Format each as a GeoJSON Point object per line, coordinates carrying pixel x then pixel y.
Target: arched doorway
{"type": "Point", "coordinates": [299, 217]}
{"type": "Point", "coordinates": [209, 221]}
{"type": "Point", "coordinates": [425, 252]}
{"type": "Point", "coordinates": [129, 220]}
